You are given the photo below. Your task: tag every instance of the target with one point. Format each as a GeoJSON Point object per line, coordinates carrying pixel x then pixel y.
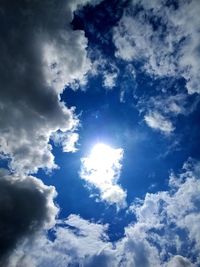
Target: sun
{"type": "Point", "coordinates": [101, 165]}
{"type": "Point", "coordinates": [101, 169]}
{"type": "Point", "coordinates": [102, 156]}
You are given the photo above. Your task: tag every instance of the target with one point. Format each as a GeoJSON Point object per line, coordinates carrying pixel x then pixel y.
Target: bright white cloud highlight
{"type": "Point", "coordinates": [159, 122]}
{"type": "Point", "coordinates": [67, 140]}
{"type": "Point", "coordinates": [101, 169]}
{"type": "Point", "coordinates": [109, 80]}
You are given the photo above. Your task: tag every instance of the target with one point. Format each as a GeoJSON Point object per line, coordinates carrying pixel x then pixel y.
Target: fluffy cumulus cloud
{"type": "Point", "coordinates": [179, 261]}
{"type": "Point", "coordinates": [101, 169]}
{"type": "Point", "coordinates": [78, 242]}
{"type": "Point", "coordinates": [68, 140]}
{"type": "Point", "coordinates": [164, 37]}
{"type": "Point", "coordinates": [40, 54]}
{"type": "Point", "coordinates": [163, 233]}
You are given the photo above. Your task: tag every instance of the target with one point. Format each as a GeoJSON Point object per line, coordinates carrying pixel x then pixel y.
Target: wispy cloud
{"type": "Point", "coordinates": [163, 37]}
{"type": "Point", "coordinates": [158, 122]}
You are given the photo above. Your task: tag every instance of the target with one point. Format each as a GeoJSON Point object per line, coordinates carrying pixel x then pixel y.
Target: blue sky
{"type": "Point", "coordinates": [99, 133]}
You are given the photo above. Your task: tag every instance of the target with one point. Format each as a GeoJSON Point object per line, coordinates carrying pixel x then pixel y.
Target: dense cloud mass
{"type": "Point", "coordinates": [40, 54]}
{"type": "Point", "coordinates": [26, 207]}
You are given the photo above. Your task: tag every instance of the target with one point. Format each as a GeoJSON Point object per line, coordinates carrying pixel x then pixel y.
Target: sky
{"type": "Point", "coordinates": [99, 133]}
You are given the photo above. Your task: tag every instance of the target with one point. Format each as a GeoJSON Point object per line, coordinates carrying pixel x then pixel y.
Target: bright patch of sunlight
{"type": "Point", "coordinates": [102, 169]}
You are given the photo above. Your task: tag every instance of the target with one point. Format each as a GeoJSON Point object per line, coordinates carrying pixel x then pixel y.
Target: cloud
{"type": "Point", "coordinates": [38, 58]}
{"type": "Point", "coordinates": [170, 219]}
{"type": "Point", "coordinates": [166, 104]}
{"type": "Point", "coordinates": [77, 242]}
{"type": "Point", "coordinates": [107, 68]}
{"type": "Point", "coordinates": [159, 110]}
{"type": "Point", "coordinates": [67, 140]}
{"type": "Point", "coordinates": [160, 236]}
{"type": "Point", "coordinates": [40, 55]}
{"type": "Point", "coordinates": [101, 169]}
{"type": "Point", "coordinates": [109, 79]}
{"type": "Point", "coordinates": [179, 261]}
{"type": "Point", "coordinates": [159, 122]}
{"type": "Point", "coordinates": [26, 207]}
{"type": "Point", "coordinates": [163, 37]}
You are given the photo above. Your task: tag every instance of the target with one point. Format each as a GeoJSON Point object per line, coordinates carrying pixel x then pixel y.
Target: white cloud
{"type": "Point", "coordinates": [109, 79]}
{"type": "Point", "coordinates": [168, 46]}
{"type": "Point", "coordinates": [162, 108]}
{"type": "Point", "coordinates": [164, 214]}
{"type": "Point", "coordinates": [60, 63]}
{"type": "Point", "coordinates": [101, 169]}
{"type": "Point", "coordinates": [77, 242]}
{"type": "Point", "coordinates": [67, 140]}
{"type": "Point", "coordinates": [159, 122]}
{"type": "Point", "coordinates": [179, 261]}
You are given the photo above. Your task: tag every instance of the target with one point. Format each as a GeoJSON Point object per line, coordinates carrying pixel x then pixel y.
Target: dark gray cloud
{"type": "Point", "coordinates": [40, 54]}
{"type": "Point", "coordinates": [26, 206]}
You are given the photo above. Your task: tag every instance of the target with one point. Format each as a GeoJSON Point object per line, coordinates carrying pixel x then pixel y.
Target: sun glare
{"type": "Point", "coordinates": [102, 163]}
{"type": "Point", "coordinates": [103, 156]}
{"type": "Point", "coordinates": [101, 168]}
